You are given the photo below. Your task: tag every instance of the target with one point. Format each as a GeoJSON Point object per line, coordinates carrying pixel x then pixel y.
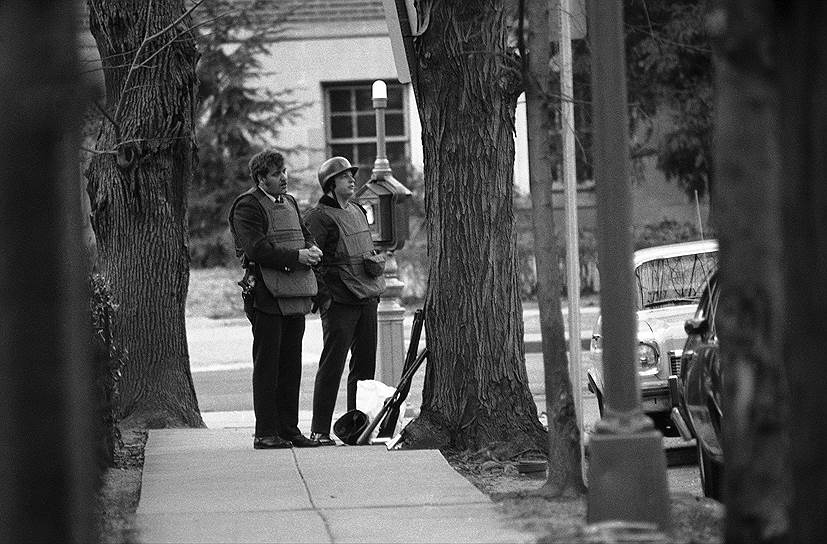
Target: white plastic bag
{"type": "Point", "coordinates": [370, 398]}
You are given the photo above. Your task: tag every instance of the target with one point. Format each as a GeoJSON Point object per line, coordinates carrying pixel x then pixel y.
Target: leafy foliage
{"type": "Point", "coordinates": [236, 117]}
{"type": "Point", "coordinates": [666, 232]}
{"type": "Point", "coordinates": [669, 64]}
{"type": "Point", "coordinates": [669, 85]}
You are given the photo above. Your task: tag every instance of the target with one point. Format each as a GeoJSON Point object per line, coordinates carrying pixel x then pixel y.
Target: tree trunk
{"type": "Point", "coordinates": [564, 469]}
{"type": "Point", "coordinates": [745, 195]}
{"type": "Point", "coordinates": [802, 65]}
{"type": "Point", "coordinates": [476, 388]}
{"type": "Point", "coordinates": [47, 454]}
{"type": "Point", "coordinates": [138, 200]}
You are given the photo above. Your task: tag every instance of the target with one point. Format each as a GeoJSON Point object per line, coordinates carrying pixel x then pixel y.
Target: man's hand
{"type": "Point", "coordinates": [310, 256]}
{"type": "Point", "coordinates": [315, 249]}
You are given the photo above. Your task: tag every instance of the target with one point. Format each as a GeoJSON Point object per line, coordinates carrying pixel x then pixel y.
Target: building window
{"type": "Point", "coordinates": [351, 127]}
{"type": "Point", "coordinates": [583, 140]}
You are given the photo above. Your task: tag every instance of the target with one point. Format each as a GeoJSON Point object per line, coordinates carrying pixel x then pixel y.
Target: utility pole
{"type": "Point", "coordinates": [564, 439]}
{"type": "Point", "coordinates": [572, 231]}
{"type": "Point", "coordinates": [627, 472]}
{"type": "Point", "coordinates": [47, 459]}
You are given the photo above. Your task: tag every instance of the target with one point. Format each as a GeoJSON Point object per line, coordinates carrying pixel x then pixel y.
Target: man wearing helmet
{"type": "Point", "coordinates": [277, 251]}
{"type": "Point", "coordinates": [348, 292]}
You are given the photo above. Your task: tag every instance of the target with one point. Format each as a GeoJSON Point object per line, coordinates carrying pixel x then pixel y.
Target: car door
{"type": "Point", "coordinates": [702, 374]}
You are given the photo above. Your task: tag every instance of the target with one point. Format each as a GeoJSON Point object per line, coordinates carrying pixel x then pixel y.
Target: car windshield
{"type": "Point", "coordinates": [673, 280]}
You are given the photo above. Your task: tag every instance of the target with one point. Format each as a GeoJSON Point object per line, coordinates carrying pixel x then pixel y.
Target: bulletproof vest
{"type": "Point", "coordinates": [355, 243]}
{"type": "Point", "coordinates": [283, 229]}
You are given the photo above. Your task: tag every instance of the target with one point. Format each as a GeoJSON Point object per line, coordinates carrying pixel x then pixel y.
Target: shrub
{"type": "Point", "coordinates": [109, 359]}
{"type": "Point", "coordinates": [211, 250]}
{"type": "Point", "coordinates": [666, 232]}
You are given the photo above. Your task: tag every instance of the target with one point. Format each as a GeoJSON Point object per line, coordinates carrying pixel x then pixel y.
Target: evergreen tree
{"type": "Point", "coordinates": [236, 117]}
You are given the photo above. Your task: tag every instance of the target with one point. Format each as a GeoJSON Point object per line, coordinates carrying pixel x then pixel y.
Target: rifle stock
{"type": "Point", "coordinates": [394, 400]}
{"type": "Point", "coordinates": [388, 424]}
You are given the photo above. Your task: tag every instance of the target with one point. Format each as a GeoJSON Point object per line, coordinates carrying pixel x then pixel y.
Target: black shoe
{"type": "Point", "coordinates": [301, 441]}
{"type": "Point", "coordinates": [270, 443]}
{"type": "Point", "coordinates": [322, 439]}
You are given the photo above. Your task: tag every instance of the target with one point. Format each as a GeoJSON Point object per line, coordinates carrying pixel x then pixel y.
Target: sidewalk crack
{"type": "Point", "coordinates": [316, 509]}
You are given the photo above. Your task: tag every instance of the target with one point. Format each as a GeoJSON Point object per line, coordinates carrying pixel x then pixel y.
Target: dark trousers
{"type": "Point", "coordinates": [345, 327]}
{"type": "Point", "coordinates": [277, 371]}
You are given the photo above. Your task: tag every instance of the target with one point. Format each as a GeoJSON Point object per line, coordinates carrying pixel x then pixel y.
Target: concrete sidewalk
{"type": "Point", "coordinates": [204, 485]}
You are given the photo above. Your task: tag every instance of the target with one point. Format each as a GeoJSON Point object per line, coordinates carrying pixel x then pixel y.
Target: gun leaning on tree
{"type": "Point", "coordinates": [389, 414]}
{"type": "Point", "coordinates": [394, 401]}
{"type": "Point", "coordinates": [388, 424]}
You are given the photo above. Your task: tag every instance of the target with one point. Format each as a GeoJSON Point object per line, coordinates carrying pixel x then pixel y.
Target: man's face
{"type": "Point", "coordinates": [275, 182]}
{"type": "Point", "coordinates": [344, 185]}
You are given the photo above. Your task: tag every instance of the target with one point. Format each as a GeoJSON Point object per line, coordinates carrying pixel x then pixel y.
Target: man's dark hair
{"type": "Point", "coordinates": [263, 162]}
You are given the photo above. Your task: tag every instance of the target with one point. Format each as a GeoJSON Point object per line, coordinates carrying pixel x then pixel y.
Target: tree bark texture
{"type": "Point", "coordinates": [564, 468]}
{"type": "Point", "coordinates": [47, 456]}
{"type": "Point", "coordinates": [476, 388]}
{"type": "Point", "coordinates": [751, 309]}
{"type": "Point", "coordinates": [802, 69]}
{"type": "Point", "coordinates": [138, 199]}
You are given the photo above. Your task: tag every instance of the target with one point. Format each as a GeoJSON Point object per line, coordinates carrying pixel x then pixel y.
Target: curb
{"type": "Point", "coordinates": [536, 345]}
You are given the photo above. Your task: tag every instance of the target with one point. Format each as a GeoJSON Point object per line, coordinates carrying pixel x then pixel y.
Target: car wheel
{"type": "Point", "coordinates": [663, 423]}
{"type": "Point", "coordinates": [711, 474]}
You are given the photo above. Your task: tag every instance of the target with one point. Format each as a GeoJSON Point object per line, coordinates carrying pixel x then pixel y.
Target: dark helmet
{"type": "Point", "coordinates": [350, 426]}
{"type": "Point", "coordinates": [333, 167]}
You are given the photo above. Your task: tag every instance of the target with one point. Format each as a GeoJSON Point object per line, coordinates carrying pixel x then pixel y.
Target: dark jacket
{"type": "Point", "coordinates": [326, 233]}
{"type": "Point", "coordinates": [250, 226]}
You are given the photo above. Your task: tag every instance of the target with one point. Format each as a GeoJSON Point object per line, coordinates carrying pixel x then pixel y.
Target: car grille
{"type": "Point", "coordinates": [675, 362]}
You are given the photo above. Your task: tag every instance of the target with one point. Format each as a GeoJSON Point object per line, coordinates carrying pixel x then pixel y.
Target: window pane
{"type": "Point", "coordinates": [341, 150]}
{"type": "Point", "coordinates": [396, 152]}
{"type": "Point", "coordinates": [351, 117]}
{"type": "Point", "coordinates": [339, 100]}
{"type": "Point", "coordinates": [663, 281]}
{"type": "Point", "coordinates": [395, 97]}
{"type": "Point", "coordinates": [395, 124]}
{"type": "Point", "coordinates": [363, 101]}
{"type": "Point", "coordinates": [340, 126]}
{"type": "Point", "coordinates": [366, 125]}
{"type": "Point", "coordinates": [584, 164]}
{"type": "Point", "coordinates": [366, 153]}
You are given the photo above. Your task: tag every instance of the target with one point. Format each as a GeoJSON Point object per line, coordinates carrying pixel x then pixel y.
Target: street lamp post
{"type": "Point", "coordinates": [627, 465]}
{"type": "Point", "coordinates": [390, 348]}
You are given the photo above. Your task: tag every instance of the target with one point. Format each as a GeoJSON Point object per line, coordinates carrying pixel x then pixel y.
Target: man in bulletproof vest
{"type": "Point", "coordinates": [350, 282]}
{"type": "Point", "coordinates": [277, 251]}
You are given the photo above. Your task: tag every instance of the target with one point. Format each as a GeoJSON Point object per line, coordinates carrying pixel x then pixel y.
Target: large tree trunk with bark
{"type": "Point", "coordinates": [564, 468]}
{"type": "Point", "coordinates": [138, 199]}
{"type": "Point", "coordinates": [746, 199]}
{"type": "Point", "coordinates": [802, 70]}
{"type": "Point", "coordinates": [476, 388]}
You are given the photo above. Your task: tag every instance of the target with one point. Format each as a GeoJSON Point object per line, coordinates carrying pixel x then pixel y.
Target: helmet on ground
{"type": "Point", "coordinates": [333, 167]}
{"type": "Point", "coordinates": [350, 426]}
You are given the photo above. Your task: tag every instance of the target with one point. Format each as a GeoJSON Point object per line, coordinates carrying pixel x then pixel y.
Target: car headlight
{"type": "Point", "coordinates": [647, 356]}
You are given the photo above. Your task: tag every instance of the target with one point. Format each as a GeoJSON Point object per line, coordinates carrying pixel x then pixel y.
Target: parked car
{"type": "Point", "coordinates": [697, 392]}
{"type": "Point", "coordinates": [669, 281]}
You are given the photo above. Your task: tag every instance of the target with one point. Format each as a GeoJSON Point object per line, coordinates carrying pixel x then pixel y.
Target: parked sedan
{"type": "Point", "coordinates": [669, 281]}
{"type": "Point", "coordinates": [697, 392]}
